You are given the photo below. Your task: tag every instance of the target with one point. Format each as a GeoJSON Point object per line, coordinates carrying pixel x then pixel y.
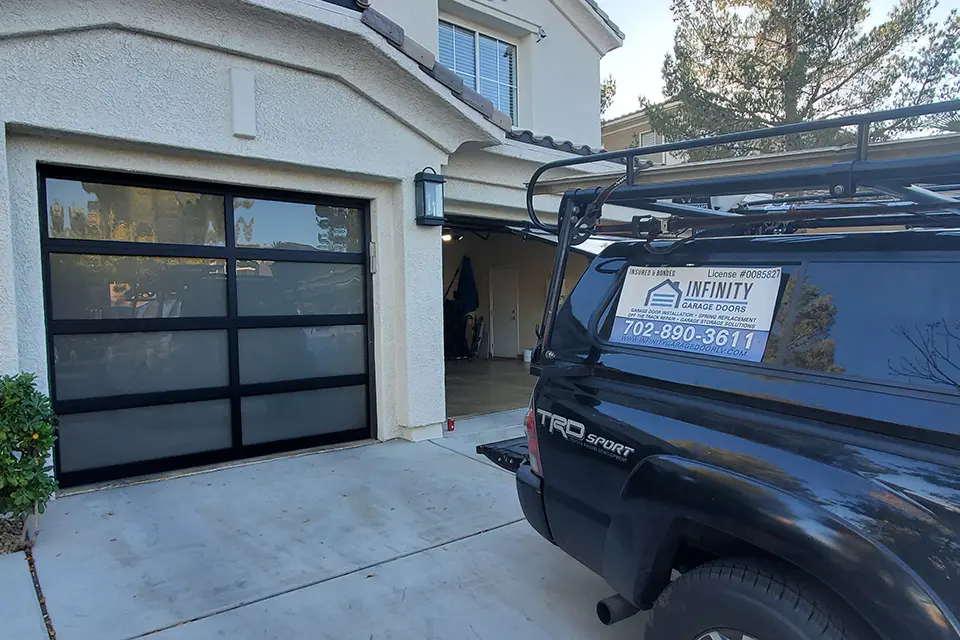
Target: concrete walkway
{"type": "Point", "coordinates": [395, 540]}
{"type": "Point", "coordinates": [20, 615]}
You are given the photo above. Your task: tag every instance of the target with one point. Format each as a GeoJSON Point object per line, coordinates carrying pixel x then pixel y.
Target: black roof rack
{"type": "Point", "coordinates": [903, 192]}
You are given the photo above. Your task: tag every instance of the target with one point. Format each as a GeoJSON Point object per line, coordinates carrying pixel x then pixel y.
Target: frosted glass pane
{"type": "Point", "coordinates": [285, 416]}
{"type": "Point", "coordinates": [269, 355]}
{"type": "Point", "coordinates": [108, 364]}
{"type": "Point", "coordinates": [92, 287]}
{"type": "Point", "coordinates": [106, 438]}
{"type": "Point", "coordinates": [270, 288]}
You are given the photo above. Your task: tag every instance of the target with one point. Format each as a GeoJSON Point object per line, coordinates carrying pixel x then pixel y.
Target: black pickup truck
{"type": "Point", "coordinates": [748, 422]}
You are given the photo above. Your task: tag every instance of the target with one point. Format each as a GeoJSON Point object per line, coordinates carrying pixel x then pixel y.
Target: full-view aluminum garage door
{"type": "Point", "coordinates": [191, 323]}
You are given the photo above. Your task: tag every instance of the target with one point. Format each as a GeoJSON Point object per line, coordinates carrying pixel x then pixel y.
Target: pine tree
{"type": "Point", "coordinates": [749, 64]}
{"type": "Point", "coordinates": [608, 90]}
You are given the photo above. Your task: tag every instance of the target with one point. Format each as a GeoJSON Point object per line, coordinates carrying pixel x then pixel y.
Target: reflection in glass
{"type": "Point", "coordinates": [94, 211]}
{"type": "Point", "coordinates": [272, 224]}
{"type": "Point", "coordinates": [105, 438]}
{"type": "Point", "coordinates": [270, 288]}
{"type": "Point", "coordinates": [892, 322]}
{"type": "Point", "coordinates": [269, 355]}
{"type": "Point", "coordinates": [284, 416]}
{"type": "Point", "coordinates": [111, 287]}
{"type": "Point", "coordinates": [107, 364]}
{"type": "Point", "coordinates": [808, 346]}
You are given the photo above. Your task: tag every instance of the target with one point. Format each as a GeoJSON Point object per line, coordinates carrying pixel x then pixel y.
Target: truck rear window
{"type": "Point", "coordinates": [894, 322]}
{"type": "Point", "coordinates": [891, 322]}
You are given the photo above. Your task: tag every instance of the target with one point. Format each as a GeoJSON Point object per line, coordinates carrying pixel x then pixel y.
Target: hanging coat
{"type": "Point", "coordinates": [467, 294]}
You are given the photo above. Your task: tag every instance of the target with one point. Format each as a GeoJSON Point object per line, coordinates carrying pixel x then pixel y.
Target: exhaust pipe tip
{"type": "Point", "coordinates": [614, 609]}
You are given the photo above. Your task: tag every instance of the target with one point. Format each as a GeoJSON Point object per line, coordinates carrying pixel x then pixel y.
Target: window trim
{"type": "Point", "coordinates": [476, 62]}
{"type": "Point", "coordinates": [232, 322]}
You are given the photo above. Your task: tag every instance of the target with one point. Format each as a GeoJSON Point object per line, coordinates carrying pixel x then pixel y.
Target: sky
{"type": "Point", "coordinates": [648, 25]}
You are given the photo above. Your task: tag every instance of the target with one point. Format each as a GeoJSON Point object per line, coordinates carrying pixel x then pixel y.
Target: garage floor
{"type": "Point", "coordinates": [487, 386]}
{"type": "Point", "coordinates": [400, 540]}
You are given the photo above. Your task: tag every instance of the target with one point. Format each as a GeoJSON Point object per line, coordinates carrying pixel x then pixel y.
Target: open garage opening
{"type": "Point", "coordinates": [495, 284]}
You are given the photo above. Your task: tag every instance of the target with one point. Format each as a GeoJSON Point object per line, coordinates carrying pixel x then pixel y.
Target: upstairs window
{"type": "Point", "coordinates": [486, 65]}
{"type": "Point", "coordinates": [649, 139]}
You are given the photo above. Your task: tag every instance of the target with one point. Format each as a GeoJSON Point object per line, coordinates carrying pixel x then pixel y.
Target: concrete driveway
{"type": "Point", "coordinates": [395, 540]}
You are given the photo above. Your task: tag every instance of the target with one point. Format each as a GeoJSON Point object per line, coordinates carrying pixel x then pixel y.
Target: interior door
{"type": "Point", "coordinates": [504, 304]}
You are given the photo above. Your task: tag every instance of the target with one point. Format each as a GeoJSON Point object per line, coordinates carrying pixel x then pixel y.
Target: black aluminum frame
{"type": "Point", "coordinates": [232, 322]}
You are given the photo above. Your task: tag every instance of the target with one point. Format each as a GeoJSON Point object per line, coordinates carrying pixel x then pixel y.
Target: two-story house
{"type": "Point", "coordinates": [209, 245]}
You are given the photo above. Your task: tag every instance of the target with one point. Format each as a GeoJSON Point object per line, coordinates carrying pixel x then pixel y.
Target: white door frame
{"type": "Point", "coordinates": [516, 272]}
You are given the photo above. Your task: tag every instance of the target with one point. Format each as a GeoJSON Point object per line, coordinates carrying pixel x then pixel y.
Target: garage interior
{"type": "Point", "coordinates": [501, 310]}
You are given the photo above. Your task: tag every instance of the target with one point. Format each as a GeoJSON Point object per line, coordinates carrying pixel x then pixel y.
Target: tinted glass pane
{"type": "Point", "coordinates": [88, 366]}
{"type": "Point", "coordinates": [894, 322]}
{"type": "Point", "coordinates": [269, 288]}
{"type": "Point", "coordinates": [285, 416]}
{"type": "Point", "coordinates": [290, 225]}
{"type": "Point", "coordinates": [110, 287]}
{"type": "Point", "coordinates": [268, 355]}
{"type": "Point", "coordinates": [93, 211]}
{"type": "Point", "coordinates": [102, 439]}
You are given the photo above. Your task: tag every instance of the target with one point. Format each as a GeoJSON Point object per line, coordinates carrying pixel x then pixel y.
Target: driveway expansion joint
{"type": "Point", "coordinates": [328, 579]}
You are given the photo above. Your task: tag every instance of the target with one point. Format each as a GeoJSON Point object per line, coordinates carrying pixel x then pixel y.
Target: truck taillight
{"type": "Point", "coordinates": [533, 445]}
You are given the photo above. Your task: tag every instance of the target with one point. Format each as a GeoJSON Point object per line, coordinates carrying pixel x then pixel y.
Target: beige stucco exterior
{"type": "Point", "coordinates": [146, 88]}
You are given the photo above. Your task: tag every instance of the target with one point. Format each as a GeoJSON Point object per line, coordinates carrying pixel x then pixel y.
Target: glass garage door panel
{"type": "Point", "coordinates": [270, 355]}
{"type": "Point", "coordinates": [110, 364]}
{"type": "Point", "coordinates": [80, 210]}
{"type": "Point", "coordinates": [99, 287]}
{"type": "Point", "coordinates": [273, 224]}
{"type": "Point", "coordinates": [272, 288]}
{"type": "Point", "coordinates": [106, 438]}
{"type": "Point", "coordinates": [284, 416]}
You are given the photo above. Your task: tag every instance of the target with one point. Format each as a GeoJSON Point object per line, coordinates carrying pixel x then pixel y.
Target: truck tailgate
{"type": "Point", "coordinates": [507, 454]}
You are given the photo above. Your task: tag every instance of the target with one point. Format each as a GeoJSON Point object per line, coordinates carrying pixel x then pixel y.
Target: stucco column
{"type": "Point", "coordinates": [422, 403]}
{"type": "Point", "coordinates": [9, 351]}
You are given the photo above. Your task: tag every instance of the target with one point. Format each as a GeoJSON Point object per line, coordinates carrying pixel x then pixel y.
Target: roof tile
{"type": "Point", "coordinates": [384, 26]}
{"type": "Point", "coordinates": [529, 137]}
{"type": "Point", "coordinates": [477, 101]}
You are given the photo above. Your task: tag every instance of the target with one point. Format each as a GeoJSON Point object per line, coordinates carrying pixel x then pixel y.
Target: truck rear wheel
{"type": "Point", "coordinates": [743, 600]}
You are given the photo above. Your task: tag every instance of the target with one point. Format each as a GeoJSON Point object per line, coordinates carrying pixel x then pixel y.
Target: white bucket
{"type": "Point", "coordinates": [528, 355]}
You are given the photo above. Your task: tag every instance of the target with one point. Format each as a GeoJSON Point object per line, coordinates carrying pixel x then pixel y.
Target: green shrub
{"type": "Point", "coordinates": [27, 433]}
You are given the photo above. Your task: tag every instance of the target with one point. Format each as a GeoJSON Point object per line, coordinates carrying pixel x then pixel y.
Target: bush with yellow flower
{"type": "Point", "coordinates": [27, 433]}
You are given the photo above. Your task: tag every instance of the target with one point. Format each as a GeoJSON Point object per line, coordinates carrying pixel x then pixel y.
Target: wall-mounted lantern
{"type": "Point", "coordinates": [429, 186]}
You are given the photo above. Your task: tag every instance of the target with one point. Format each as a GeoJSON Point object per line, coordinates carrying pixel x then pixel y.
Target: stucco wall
{"type": "Point", "coordinates": [417, 17]}
{"type": "Point", "coordinates": [153, 96]}
{"type": "Point", "coordinates": [533, 260]}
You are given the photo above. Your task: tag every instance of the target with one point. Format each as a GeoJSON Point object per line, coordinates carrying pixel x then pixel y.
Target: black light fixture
{"type": "Point", "coordinates": [429, 186]}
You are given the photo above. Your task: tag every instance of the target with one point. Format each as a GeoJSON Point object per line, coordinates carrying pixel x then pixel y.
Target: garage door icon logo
{"type": "Point", "coordinates": [666, 295]}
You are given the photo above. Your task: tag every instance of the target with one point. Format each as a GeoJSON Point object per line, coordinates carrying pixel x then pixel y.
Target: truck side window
{"type": "Point", "coordinates": [897, 323]}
